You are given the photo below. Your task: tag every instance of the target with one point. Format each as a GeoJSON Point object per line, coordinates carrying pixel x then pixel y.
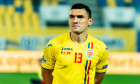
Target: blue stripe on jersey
{"type": "Point", "coordinates": [88, 45]}
{"type": "Point", "coordinates": [85, 72]}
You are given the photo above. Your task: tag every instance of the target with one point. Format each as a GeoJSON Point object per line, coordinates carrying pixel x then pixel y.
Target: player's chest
{"type": "Point", "coordinates": [77, 56]}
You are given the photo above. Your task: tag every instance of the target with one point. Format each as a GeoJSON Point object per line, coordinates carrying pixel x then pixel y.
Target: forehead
{"type": "Point", "coordinates": [78, 12]}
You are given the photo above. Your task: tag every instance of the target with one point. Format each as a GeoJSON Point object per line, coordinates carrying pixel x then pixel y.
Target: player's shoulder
{"type": "Point", "coordinates": [97, 42]}
{"type": "Point", "coordinates": [59, 39]}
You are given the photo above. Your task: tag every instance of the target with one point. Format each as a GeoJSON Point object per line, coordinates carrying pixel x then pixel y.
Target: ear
{"type": "Point", "coordinates": [90, 21]}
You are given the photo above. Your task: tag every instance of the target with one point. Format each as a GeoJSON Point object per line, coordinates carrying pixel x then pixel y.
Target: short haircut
{"type": "Point", "coordinates": [82, 6]}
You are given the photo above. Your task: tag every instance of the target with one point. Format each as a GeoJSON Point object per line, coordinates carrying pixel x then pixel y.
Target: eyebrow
{"type": "Point", "coordinates": [79, 16]}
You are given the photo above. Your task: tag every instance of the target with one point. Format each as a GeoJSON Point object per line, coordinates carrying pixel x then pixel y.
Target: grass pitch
{"type": "Point", "coordinates": [24, 78]}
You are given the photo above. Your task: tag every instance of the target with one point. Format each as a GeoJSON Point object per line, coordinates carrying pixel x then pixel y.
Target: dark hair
{"type": "Point", "coordinates": [82, 6]}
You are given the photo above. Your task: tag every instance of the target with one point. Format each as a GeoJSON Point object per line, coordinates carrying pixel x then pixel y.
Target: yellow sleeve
{"type": "Point", "coordinates": [103, 62]}
{"type": "Point", "coordinates": [48, 59]}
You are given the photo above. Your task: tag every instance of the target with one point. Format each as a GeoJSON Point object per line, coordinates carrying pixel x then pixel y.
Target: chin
{"type": "Point", "coordinates": [77, 32]}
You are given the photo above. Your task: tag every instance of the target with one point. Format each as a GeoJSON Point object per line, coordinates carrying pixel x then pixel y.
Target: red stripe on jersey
{"type": "Point", "coordinates": [88, 72]}
{"type": "Point", "coordinates": [91, 45]}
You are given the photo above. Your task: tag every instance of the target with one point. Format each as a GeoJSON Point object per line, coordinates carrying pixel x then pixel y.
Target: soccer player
{"type": "Point", "coordinates": [75, 57]}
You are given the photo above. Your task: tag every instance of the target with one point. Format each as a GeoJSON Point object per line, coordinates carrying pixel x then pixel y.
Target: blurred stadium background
{"type": "Point", "coordinates": [26, 26]}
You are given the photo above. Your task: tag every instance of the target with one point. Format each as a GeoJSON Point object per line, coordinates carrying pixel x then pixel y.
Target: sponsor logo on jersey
{"type": "Point", "coordinates": [44, 59]}
{"type": "Point", "coordinates": [65, 52]}
{"type": "Point", "coordinates": [66, 48]}
{"type": "Point", "coordinates": [89, 53]}
{"type": "Point", "coordinates": [62, 52]}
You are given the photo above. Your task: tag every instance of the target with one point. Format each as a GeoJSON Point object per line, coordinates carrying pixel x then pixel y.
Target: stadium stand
{"type": "Point", "coordinates": [18, 14]}
{"type": "Point", "coordinates": [27, 11]}
{"type": "Point", "coordinates": [26, 14]}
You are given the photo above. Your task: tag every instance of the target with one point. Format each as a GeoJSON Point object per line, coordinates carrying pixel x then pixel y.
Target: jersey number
{"type": "Point", "coordinates": [78, 57]}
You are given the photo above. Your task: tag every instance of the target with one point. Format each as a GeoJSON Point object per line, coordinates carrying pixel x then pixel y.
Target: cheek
{"type": "Point", "coordinates": [85, 23]}
{"type": "Point", "coordinates": [69, 22]}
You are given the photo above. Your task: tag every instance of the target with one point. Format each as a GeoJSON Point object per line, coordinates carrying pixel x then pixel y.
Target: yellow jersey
{"type": "Point", "coordinates": [75, 63]}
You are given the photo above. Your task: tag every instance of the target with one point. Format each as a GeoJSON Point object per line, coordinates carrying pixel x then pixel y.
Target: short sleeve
{"type": "Point", "coordinates": [103, 62]}
{"type": "Point", "coordinates": [48, 58]}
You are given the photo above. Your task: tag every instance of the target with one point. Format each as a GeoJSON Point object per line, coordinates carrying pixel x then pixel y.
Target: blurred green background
{"type": "Point", "coordinates": [25, 78]}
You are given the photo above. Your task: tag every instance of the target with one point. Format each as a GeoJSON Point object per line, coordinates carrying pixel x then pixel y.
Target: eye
{"type": "Point", "coordinates": [71, 16]}
{"type": "Point", "coordinates": [80, 16]}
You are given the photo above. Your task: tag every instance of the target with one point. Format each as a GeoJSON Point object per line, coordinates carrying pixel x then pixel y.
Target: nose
{"type": "Point", "coordinates": [75, 20]}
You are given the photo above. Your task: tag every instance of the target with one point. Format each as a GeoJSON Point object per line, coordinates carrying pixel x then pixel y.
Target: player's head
{"type": "Point", "coordinates": [80, 18]}
{"type": "Point", "coordinates": [82, 6]}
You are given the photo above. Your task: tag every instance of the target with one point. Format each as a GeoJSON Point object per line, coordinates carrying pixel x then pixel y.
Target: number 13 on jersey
{"type": "Point", "coordinates": [78, 57]}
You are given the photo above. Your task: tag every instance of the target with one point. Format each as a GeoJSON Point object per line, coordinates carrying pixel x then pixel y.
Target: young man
{"type": "Point", "coordinates": [75, 57]}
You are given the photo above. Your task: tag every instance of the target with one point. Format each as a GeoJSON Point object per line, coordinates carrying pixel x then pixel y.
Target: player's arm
{"type": "Point", "coordinates": [48, 62]}
{"type": "Point", "coordinates": [99, 78]}
{"type": "Point", "coordinates": [47, 75]}
{"type": "Point", "coordinates": [101, 67]}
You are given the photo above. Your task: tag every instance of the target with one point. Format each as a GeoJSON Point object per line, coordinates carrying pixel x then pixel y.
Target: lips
{"type": "Point", "coordinates": [75, 26]}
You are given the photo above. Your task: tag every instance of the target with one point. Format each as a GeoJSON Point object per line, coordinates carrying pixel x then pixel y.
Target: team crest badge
{"type": "Point", "coordinates": [89, 53]}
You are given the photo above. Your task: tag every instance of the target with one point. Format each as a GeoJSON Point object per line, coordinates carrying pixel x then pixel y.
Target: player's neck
{"type": "Point", "coordinates": [78, 38]}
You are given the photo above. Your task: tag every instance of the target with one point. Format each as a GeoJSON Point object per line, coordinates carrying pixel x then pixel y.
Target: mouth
{"type": "Point", "coordinates": [75, 26]}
